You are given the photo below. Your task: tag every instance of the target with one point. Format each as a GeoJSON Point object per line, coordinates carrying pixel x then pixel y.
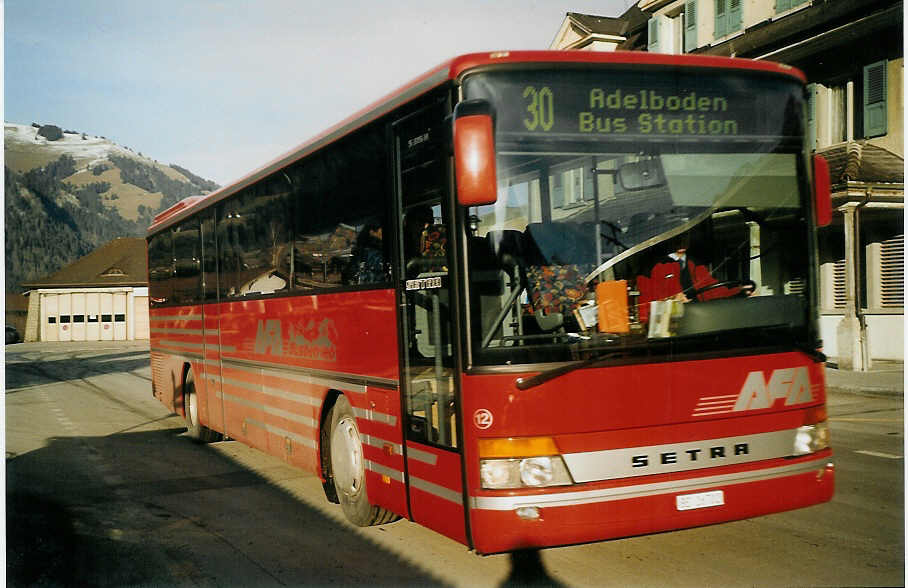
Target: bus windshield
{"type": "Point", "coordinates": [646, 212]}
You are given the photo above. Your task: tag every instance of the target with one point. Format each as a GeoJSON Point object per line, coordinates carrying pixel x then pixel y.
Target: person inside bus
{"type": "Point", "coordinates": [678, 277]}
{"type": "Point", "coordinates": [369, 255]}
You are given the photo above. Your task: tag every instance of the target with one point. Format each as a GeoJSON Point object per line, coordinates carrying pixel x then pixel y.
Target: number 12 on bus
{"type": "Point", "coordinates": [530, 299]}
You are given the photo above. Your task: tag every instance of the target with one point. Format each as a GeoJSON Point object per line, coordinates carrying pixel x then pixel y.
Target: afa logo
{"type": "Point", "coordinates": [312, 340]}
{"type": "Point", "coordinates": [792, 384]}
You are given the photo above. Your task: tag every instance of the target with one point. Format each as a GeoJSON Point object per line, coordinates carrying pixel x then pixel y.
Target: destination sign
{"type": "Point", "coordinates": [656, 103]}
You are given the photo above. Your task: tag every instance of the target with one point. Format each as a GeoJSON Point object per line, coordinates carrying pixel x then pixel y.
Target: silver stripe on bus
{"type": "Point", "coordinates": [285, 414]}
{"type": "Point", "coordinates": [174, 331]}
{"type": "Point", "coordinates": [238, 400]}
{"type": "Point", "coordinates": [436, 490]}
{"type": "Point", "coordinates": [267, 408]}
{"type": "Point", "coordinates": [294, 396]}
{"type": "Point", "coordinates": [185, 344]}
{"type": "Point", "coordinates": [423, 456]}
{"type": "Point", "coordinates": [341, 380]}
{"type": "Point", "coordinates": [384, 470]}
{"type": "Point", "coordinates": [269, 391]}
{"type": "Point", "coordinates": [278, 431]}
{"type": "Point", "coordinates": [642, 490]}
{"type": "Point", "coordinates": [185, 317]}
{"type": "Point", "coordinates": [375, 416]}
{"type": "Point", "coordinates": [188, 356]}
{"type": "Point", "coordinates": [380, 443]}
{"type": "Point", "coordinates": [629, 462]}
{"type": "Point", "coordinates": [305, 379]}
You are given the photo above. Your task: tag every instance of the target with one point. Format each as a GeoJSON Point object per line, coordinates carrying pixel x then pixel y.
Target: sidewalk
{"type": "Point", "coordinates": [885, 378]}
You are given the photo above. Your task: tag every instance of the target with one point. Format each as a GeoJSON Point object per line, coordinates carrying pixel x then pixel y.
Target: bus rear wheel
{"type": "Point", "coordinates": [348, 470]}
{"type": "Point", "coordinates": [194, 429]}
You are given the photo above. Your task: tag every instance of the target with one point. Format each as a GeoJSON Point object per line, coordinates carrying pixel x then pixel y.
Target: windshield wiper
{"type": "Point", "coordinates": [541, 378]}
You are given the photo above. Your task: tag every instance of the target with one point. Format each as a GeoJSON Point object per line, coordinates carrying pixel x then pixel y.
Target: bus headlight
{"type": "Point", "coordinates": [529, 472]}
{"type": "Point", "coordinates": [811, 438]}
{"type": "Point", "coordinates": [539, 465]}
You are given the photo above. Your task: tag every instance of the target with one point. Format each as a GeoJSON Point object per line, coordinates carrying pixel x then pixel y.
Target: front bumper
{"type": "Point", "coordinates": [596, 512]}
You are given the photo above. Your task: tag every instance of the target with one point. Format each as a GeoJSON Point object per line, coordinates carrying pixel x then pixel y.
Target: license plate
{"type": "Point", "coordinates": [700, 500]}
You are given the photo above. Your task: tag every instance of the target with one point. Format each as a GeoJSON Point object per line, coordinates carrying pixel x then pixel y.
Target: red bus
{"type": "Point", "coordinates": [530, 299]}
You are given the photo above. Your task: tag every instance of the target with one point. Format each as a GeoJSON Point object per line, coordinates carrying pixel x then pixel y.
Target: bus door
{"type": "Point", "coordinates": [433, 458]}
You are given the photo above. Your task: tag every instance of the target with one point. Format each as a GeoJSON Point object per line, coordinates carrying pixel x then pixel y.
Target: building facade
{"type": "Point", "coordinates": [852, 54]}
{"type": "Point", "coordinates": [100, 297]}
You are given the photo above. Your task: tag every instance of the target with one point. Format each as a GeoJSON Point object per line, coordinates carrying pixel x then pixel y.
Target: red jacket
{"type": "Point", "coordinates": [665, 281]}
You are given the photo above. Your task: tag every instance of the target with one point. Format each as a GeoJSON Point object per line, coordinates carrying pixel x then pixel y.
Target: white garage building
{"type": "Point", "coordinates": [100, 297]}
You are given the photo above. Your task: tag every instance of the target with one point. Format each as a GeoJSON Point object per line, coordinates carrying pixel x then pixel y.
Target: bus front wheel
{"type": "Point", "coordinates": [348, 470]}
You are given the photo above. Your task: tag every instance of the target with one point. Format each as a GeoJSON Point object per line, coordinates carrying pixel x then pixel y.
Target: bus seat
{"type": "Point", "coordinates": [433, 244]}
{"type": "Point", "coordinates": [434, 241]}
{"type": "Point", "coordinates": [432, 262]}
{"type": "Point", "coordinates": [555, 291]}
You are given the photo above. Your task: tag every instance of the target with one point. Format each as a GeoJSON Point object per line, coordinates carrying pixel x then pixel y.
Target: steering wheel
{"type": "Point", "coordinates": [747, 287]}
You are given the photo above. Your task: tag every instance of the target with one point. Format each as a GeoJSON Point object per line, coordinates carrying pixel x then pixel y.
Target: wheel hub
{"type": "Point", "coordinates": [347, 457]}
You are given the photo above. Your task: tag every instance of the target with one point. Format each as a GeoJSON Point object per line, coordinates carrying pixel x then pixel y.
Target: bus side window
{"type": "Point", "coordinates": [160, 269]}
{"type": "Point", "coordinates": [341, 218]}
{"type": "Point", "coordinates": [255, 238]}
{"type": "Point", "coordinates": [187, 259]}
{"type": "Point", "coordinates": [209, 258]}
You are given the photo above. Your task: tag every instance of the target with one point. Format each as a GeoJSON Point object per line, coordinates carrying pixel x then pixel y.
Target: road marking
{"type": "Point", "coordinates": [879, 454]}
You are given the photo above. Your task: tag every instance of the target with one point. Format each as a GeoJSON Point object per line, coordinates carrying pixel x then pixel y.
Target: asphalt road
{"type": "Point", "coordinates": [103, 489]}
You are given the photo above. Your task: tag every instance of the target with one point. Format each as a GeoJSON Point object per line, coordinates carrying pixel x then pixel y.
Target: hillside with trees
{"type": "Point", "coordinates": [79, 198]}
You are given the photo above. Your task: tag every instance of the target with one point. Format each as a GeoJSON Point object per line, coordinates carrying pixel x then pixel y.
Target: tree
{"type": "Point", "coordinates": [51, 132]}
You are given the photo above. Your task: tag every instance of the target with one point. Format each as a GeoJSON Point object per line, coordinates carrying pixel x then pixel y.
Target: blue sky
{"type": "Point", "coordinates": [223, 86]}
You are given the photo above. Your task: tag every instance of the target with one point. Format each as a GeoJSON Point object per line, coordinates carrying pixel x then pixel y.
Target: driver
{"type": "Point", "coordinates": [678, 277]}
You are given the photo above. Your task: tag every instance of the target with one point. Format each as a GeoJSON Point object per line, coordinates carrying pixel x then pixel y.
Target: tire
{"type": "Point", "coordinates": [348, 472]}
{"type": "Point", "coordinates": [194, 429]}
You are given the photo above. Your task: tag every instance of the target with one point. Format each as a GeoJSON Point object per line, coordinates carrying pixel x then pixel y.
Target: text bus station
{"type": "Point", "coordinates": [530, 299]}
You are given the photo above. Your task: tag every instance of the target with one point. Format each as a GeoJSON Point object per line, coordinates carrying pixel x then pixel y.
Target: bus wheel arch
{"type": "Point", "coordinates": [324, 446]}
{"type": "Point", "coordinates": [347, 467]}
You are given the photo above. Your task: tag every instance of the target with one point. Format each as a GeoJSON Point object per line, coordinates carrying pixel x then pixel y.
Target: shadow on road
{"type": "Point", "coordinates": [153, 508]}
{"type": "Point", "coordinates": [23, 375]}
{"type": "Point", "coordinates": [527, 569]}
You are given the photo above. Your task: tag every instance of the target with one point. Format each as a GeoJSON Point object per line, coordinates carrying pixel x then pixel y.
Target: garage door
{"type": "Point", "coordinates": [50, 330]}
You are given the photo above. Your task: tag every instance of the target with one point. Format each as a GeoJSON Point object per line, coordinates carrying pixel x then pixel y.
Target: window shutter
{"type": "Point", "coordinates": [811, 117]}
{"type": "Point", "coordinates": [840, 299]}
{"type": "Point", "coordinates": [652, 33]}
{"type": "Point", "coordinates": [721, 19]}
{"type": "Point", "coordinates": [886, 273]}
{"type": "Point", "coordinates": [734, 16]}
{"type": "Point", "coordinates": [832, 285]}
{"type": "Point", "coordinates": [690, 26]}
{"type": "Point", "coordinates": [875, 99]}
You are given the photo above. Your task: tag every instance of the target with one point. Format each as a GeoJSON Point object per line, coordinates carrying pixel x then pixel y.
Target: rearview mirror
{"type": "Point", "coordinates": [474, 153]}
{"type": "Point", "coordinates": [641, 175]}
{"type": "Point", "coordinates": [822, 191]}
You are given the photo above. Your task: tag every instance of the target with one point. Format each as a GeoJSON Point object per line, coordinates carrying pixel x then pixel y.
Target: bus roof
{"type": "Point", "coordinates": [453, 69]}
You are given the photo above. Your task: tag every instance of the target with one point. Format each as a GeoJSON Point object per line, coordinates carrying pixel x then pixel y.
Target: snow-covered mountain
{"type": "Point", "coordinates": [89, 150]}
{"type": "Point", "coordinates": [99, 160]}
{"type": "Point", "coordinates": [67, 193]}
